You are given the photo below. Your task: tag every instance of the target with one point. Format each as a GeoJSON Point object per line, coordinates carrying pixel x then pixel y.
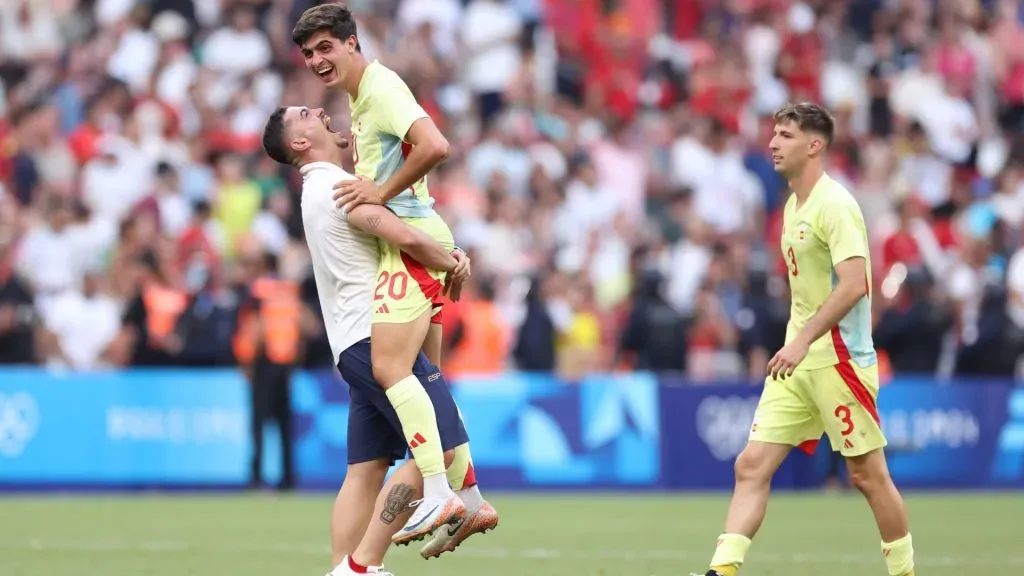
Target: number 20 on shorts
{"type": "Point", "coordinates": [396, 284]}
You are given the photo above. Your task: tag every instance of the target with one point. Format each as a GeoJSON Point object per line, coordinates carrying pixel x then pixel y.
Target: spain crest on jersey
{"type": "Point", "coordinates": [801, 231]}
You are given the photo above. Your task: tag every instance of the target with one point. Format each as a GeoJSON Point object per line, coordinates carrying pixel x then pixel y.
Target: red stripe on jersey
{"type": "Point", "coordinates": [842, 352]}
{"type": "Point", "coordinates": [430, 286]}
{"type": "Point", "coordinates": [849, 376]}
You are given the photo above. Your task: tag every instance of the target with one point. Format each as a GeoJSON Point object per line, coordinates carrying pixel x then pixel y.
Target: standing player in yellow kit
{"type": "Point", "coordinates": [395, 145]}
{"type": "Point", "coordinates": [825, 379]}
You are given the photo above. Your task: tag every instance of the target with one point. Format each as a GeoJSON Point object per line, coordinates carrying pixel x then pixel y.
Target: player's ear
{"type": "Point", "coordinates": [300, 145]}
{"type": "Point", "coordinates": [816, 145]}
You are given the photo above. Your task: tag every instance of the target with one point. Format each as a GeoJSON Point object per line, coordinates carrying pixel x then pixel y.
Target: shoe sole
{"type": "Point", "coordinates": [420, 535]}
{"type": "Point", "coordinates": [455, 543]}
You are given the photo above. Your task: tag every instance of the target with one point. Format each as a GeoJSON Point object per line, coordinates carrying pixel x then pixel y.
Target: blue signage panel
{"type": "Point", "coordinates": [124, 428]}
{"type": "Point", "coordinates": [527, 430]}
{"type": "Point", "coordinates": [956, 435]}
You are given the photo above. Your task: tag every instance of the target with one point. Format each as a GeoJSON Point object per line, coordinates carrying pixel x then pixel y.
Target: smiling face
{"type": "Point", "coordinates": [307, 129]}
{"type": "Point", "coordinates": [328, 57]}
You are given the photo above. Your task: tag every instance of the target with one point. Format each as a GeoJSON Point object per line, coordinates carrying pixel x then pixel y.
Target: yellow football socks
{"type": "Point", "coordinates": [460, 467]}
{"type": "Point", "coordinates": [419, 424]}
{"type": "Point", "coordinates": [899, 556]}
{"type": "Point", "coordinates": [729, 555]}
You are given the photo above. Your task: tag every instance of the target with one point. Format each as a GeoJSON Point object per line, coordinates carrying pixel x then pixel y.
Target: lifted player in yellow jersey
{"type": "Point", "coordinates": [825, 379]}
{"type": "Point", "coordinates": [395, 145]}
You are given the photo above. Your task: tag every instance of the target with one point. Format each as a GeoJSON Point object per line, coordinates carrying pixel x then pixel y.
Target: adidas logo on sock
{"type": "Point", "coordinates": [417, 440]}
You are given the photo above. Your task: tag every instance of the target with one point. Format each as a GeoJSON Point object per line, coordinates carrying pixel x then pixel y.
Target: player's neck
{"type": "Point", "coordinates": [330, 156]}
{"type": "Point", "coordinates": [355, 76]}
{"type": "Point", "coordinates": [803, 183]}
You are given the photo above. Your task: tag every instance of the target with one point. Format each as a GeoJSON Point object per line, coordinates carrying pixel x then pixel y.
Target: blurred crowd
{"type": "Point", "coordinates": [608, 175]}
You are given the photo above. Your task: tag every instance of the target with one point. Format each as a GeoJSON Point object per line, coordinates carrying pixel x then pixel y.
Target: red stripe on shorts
{"type": "Point", "coordinates": [808, 447]}
{"type": "Point", "coordinates": [849, 376]}
{"type": "Point", "coordinates": [430, 286]}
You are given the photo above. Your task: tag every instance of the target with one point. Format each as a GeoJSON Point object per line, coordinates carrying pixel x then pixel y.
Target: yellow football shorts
{"type": "Point", "coordinates": [839, 400]}
{"type": "Point", "coordinates": [405, 288]}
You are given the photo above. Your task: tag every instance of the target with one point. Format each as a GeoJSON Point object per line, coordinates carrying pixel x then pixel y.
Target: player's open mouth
{"type": "Point", "coordinates": [326, 72]}
{"type": "Point", "coordinates": [327, 122]}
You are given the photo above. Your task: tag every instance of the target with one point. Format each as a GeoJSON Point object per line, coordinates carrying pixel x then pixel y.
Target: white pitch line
{"type": "Point", "coordinates": [534, 554]}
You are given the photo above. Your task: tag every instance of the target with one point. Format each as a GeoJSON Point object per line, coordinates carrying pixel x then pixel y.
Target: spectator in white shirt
{"type": "Point", "coordinates": [47, 255]}
{"type": "Point", "coordinates": [500, 152]}
{"type": "Point", "coordinates": [588, 205]}
{"type": "Point", "coordinates": [85, 323]}
{"type": "Point", "coordinates": [443, 17]}
{"type": "Point", "coordinates": [28, 31]}
{"type": "Point", "coordinates": [137, 51]}
{"type": "Point", "coordinates": [922, 172]}
{"type": "Point", "coordinates": [1015, 288]}
{"type": "Point", "coordinates": [114, 181]}
{"type": "Point", "coordinates": [238, 49]}
{"type": "Point", "coordinates": [725, 194]}
{"type": "Point", "coordinates": [173, 209]}
{"type": "Point", "coordinates": [269, 226]}
{"type": "Point", "coordinates": [490, 33]}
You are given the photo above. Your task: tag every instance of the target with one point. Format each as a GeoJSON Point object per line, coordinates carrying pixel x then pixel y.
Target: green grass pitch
{"type": "Point", "coordinates": [557, 535]}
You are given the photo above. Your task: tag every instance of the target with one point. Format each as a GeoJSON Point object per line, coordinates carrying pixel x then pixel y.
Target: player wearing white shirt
{"type": "Point", "coordinates": [345, 254]}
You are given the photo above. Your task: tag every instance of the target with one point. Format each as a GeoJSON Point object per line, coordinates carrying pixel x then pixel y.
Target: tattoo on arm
{"type": "Point", "coordinates": [374, 222]}
{"type": "Point", "coordinates": [399, 498]}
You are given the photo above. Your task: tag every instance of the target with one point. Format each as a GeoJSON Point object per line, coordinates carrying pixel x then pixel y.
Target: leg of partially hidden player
{"type": "Point", "coordinates": [870, 474]}
{"type": "Point", "coordinates": [395, 347]}
{"type": "Point", "coordinates": [432, 343]}
{"type": "Point", "coordinates": [480, 515]}
{"type": "Point", "coordinates": [352, 507]}
{"type": "Point", "coordinates": [755, 467]}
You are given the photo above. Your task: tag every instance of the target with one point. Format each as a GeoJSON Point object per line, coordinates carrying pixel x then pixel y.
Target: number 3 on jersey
{"type": "Point", "coordinates": [792, 262]}
{"type": "Point", "coordinates": [396, 283]}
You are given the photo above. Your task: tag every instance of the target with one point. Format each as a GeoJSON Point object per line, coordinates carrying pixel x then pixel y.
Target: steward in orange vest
{"type": "Point", "coordinates": [270, 337]}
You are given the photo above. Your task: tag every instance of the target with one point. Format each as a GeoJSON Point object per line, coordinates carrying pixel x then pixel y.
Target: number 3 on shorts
{"type": "Point", "coordinates": [396, 283]}
{"type": "Point", "coordinates": [843, 413]}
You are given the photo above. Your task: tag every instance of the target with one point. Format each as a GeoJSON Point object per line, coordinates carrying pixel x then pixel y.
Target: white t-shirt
{"type": "Point", "coordinates": [47, 258]}
{"type": "Point", "coordinates": [345, 259]}
{"type": "Point", "coordinates": [85, 326]}
{"type": "Point", "coordinates": [491, 65]}
{"type": "Point", "coordinates": [1015, 285]}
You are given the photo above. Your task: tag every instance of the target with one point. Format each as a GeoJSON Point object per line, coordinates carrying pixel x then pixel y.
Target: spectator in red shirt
{"type": "Point", "coordinates": [800, 60]}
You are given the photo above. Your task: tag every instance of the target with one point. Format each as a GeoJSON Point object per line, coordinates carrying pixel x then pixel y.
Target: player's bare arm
{"type": "Point", "coordinates": [429, 148]}
{"type": "Point", "coordinates": [383, 224]}
{"type": "Point", "coordinates": [850, 288]}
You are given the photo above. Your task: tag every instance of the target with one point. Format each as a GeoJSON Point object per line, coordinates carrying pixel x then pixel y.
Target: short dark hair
{"type": "Point", "coordinates": [334, 18]}
{"type": "Point", "coordinates": [274, 138]}
{"type": "Point", "coordinates": [809, 117]}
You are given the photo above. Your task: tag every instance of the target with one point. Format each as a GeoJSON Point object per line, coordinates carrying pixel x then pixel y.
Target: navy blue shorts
{"type": "Point", "coordinates": [374, 431]}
